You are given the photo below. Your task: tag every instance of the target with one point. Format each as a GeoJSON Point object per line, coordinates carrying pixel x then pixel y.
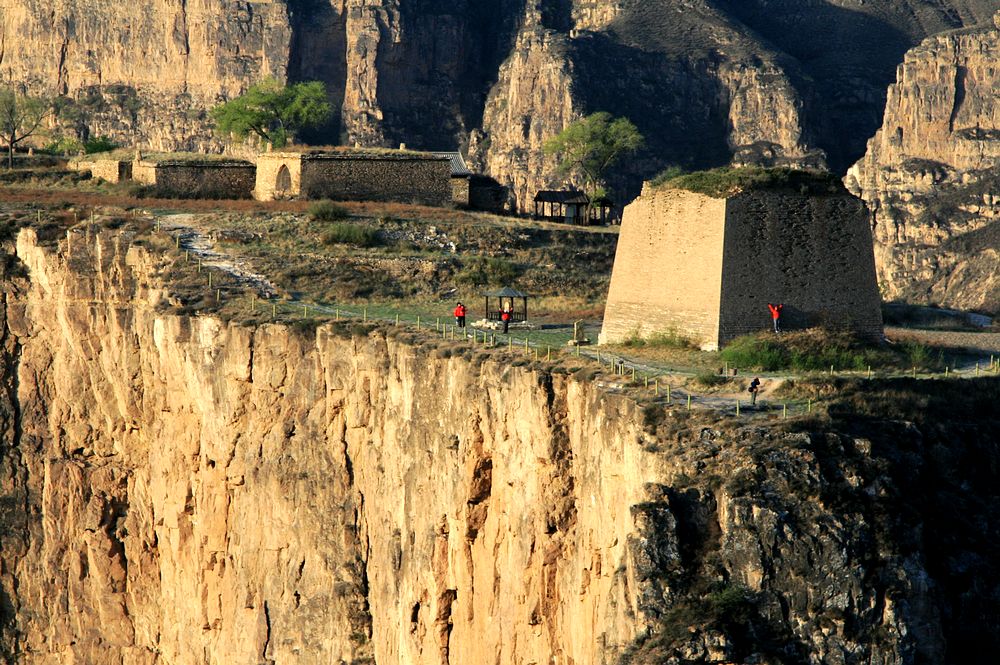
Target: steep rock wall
{"type": "Point", "coordinates": [181, 490]}
{"type": "Point", "coordinates": [707, 81]}
{"type": "Point", "coordinates": [929, 174]}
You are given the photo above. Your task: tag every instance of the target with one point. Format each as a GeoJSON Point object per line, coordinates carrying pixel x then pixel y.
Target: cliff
{"type": "Point", "coordinates": [708, 82]}
{"type": "Point", "coordinates": [185, 490]}
{"type": "Point", "coordinates": [929, 174]}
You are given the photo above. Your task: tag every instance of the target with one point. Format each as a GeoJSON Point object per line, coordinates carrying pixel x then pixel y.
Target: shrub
{"type": "Point", "coordinates": [810, 350]}
{"type": "Point", "coordinates": [327, 211]}
{"type": "Point", "coordinates": [709, 379]}
{"type": "Point", "coordinates": [99, 144]}
{"type": "Point", "coordinates": [483, 270]}
{"type": "Point", "coordinates": [667, 174]}
{"type": "Point", "coordinates": [669, 339]}
{"type": "Point", "coordinates": [351, 234]}
{"type": "Point", "coordinates": [727, 180]}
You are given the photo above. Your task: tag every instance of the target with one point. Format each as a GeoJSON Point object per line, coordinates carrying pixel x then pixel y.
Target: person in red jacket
{"type": "Point", "coordinates": [776, 315]}
{"type": "Point", "coordinates": [460, 315]}
{"type": "Point", "coordinates": [505, 317]}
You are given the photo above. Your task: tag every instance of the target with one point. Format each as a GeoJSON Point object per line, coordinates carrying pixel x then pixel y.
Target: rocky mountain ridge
{"type": "Point", "coordinates": [929, 176]}
{"type": "Point", "coordinates": [707, 81]}
{"type": "Point", "coordinates": [178, 489]}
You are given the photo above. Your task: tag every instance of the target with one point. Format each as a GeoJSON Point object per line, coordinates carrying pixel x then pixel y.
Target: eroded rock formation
{"type": "Point", "coordinates": [930, 174]}
{"type": "Point", "coordinates": [178, 489]}
{"type": "Point", "coordinates": [707, 81]}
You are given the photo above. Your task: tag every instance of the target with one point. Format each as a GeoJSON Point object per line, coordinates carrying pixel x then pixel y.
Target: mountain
{"type": "Point", "coordinates": [930, 174]}
{"type": "Point", "coordinates": [798, 82]}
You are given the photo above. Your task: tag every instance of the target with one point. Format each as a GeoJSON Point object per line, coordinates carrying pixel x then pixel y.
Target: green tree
{"type": "Point", "coordinates": [21, 117]}
{"type": "Point", "coordinates": [591, 145]}
{"type": "Point", "coordinates": [273, 111]}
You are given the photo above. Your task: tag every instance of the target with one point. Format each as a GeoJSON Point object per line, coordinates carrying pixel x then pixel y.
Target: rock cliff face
{"type": "Point", "coordinates": [707, 81]}
{"type": "Point", "coordinates": [182, 490]}
{"type": "Point", "coordinates": [930, 174]}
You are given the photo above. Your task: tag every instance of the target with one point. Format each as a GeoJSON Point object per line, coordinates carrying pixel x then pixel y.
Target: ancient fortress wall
{"type": "Point", "coordinates": [668, 268]}
{"type": "Point", "coordinates": [707, 268]}
{"type": "Point", "coordinates": [812, 253]}
{"type": "Point", "coordinates": [403, 178]}
{"type": "Point", "coordinates": [222, 180]}
{"type": "Point", "coordinates": [109, 170]}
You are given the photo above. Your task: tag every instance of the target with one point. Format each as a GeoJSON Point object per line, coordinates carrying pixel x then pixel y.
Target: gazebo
{"type": "Point", "coordinates": [507, 297]}
{"type": "Point", "coordinates": [565, 206]}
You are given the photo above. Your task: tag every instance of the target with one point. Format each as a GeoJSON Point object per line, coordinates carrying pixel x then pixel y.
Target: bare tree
{"type": "Point", "coordinates": [21, 117]}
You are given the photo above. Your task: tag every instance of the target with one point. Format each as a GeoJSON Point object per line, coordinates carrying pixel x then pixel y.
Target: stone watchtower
{"type": "Point", "coordinates": [705, 266]}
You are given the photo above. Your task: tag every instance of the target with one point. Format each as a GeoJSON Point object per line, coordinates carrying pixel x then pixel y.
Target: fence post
{"type": "Point", "coordinates": [548, 353]}
{"type": "Point", "coordinates": [305, 311]}
{"type": "Point", "coordinates": [670, 400]}
{"type": "Point", "coordinates": [199, 264]}
{"type": "Point", "coordinates": [274, 311]}
{"type": "Point", "coordinates": [809, 406]}
{"type": "Point", "coordinates": [397, 318]}
{"type": "Point", "coordinates": [336, 314]}
{"type": "Point", "coordinates": [689, 402]}
{"type": "Point", "coordinates": [869, 372]}
{"type": "Point", "coordinates": [210, 280]}
{"type": "Point", "coordinates": [510, 343]}
{"type": "Point", "coordinates": [218, 295]}
{"type": "Point", "coordinates": [737, 408]}
{"type": "Point", "coordinates": [784, 410]}
{"type": "Point", "coordinates": [364, 315]}
{"type": "Point", "coordinates": [831, 370]}
{"type": "Point", "coordinates": [914, 371]}
{"type": "Point", "coordinates": [656, 387]}
{"type": "Point", "coordinates": [178, 243]}
{"type": "Point", "coordinates": [418, 322]}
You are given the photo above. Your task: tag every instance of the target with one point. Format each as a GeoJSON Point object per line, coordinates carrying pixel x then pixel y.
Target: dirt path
{"type": "Point", "coordinates": [181, 226]}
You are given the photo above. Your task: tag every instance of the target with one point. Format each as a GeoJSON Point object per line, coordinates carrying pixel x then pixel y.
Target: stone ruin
{"type": "Point", "coordinates": [705, 268]}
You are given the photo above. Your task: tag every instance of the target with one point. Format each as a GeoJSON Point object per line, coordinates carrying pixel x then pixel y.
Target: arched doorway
{"type": "Point", "coordinates": [283, 183]}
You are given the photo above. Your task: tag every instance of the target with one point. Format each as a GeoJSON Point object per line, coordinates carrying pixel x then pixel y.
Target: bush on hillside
{"type": "Point", "coordinates": [351, 234]}
{"type": "Point", "coordinates": [327, 211]}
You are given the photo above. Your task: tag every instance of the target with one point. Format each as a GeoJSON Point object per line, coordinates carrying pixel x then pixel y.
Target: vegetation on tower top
{"type": "Point", "coordinates": [728, 181]}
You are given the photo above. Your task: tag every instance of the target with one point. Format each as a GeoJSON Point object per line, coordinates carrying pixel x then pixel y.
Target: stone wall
{"type": "Point", "coordinates": [209, 180]}
{"type": "Point", "coordinates": [460, 191]}
{"type": "Point", "coordinates": [707, 268]}
{"type": "Point", "coordinates": [109, 170]}
{"type": "Point", "coordinates": [268, 166]}
{"type": "Point", "coordinates": [406, 178]}
{"type": "Point", "coordinates": [812, 253]}
{"type": "Point", "coordinates": [668, 268]}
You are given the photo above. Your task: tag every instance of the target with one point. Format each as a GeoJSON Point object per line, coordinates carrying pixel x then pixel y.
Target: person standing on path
{"type": "Point", "coordinates": [460, 315]}
{"type": "Point", "coordinates": [505, 317]}
{"type": "Point", "coordinates": [776, 315]}
{"type": "Point", "coordinates": [754, 389]}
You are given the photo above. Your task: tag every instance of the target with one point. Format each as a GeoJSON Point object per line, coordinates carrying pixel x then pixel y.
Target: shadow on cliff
{"type": "Point", "coordinates": [847, 59]}
{"type": "Point", "coordinates": [935, 453]}
{"type": "Point", "coordinates": [319, 53]}
{"type": "Point", "coordinates": [672, 101]}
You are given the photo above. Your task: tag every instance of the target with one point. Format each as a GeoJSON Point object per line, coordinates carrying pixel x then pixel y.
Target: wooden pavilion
{"type": "Point", "coordinates": [570, 206]}
{"type": "Point", "coordinates": [515, 300]}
